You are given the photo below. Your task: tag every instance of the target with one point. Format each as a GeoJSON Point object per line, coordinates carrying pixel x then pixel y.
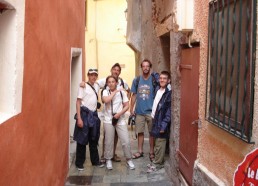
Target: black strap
{"type": "Point", "coordinates": [122, 82]}
{"type": "Point", "coordinates": [112, 102]}
{"type": "Point", "coordinates": [94, 90]}
{"type": "Point", "coordinates": [111, 105]}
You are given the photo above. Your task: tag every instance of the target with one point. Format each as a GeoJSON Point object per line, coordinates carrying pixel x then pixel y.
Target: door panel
{"type": "Point", "coordinates": [187, 152]}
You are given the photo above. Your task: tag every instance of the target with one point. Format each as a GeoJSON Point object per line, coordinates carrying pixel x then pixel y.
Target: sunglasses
{"type": "Point", "coordinates": [93, 70]}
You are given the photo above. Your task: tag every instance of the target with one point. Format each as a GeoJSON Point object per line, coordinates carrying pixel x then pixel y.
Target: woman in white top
{"type": "Point", "coordinates": [116, 104]}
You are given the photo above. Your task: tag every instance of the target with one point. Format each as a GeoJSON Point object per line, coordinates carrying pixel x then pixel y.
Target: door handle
{"type": "Point", "coordinates": [198, 122]}
{"type": "Point", "coordinates": [195, 122]}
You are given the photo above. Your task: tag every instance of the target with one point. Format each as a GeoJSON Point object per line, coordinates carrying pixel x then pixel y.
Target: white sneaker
{"type": "Point", "coordinates": [109, 165]}
{"type": "Point", "coordinates": [130, 164]}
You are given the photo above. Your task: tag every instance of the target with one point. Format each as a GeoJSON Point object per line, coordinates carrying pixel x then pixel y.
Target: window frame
{"type": "Point", "coordinates": [212, 118]}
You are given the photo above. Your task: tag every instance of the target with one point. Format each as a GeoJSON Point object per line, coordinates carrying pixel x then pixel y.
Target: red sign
{"type": "Point", "coordinates": [247, 171]}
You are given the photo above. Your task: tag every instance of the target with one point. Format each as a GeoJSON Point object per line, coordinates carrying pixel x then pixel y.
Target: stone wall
{"type": "Point", "coordinates": [142, 37]}
{"type": "Point", "coordinates": [217, 149]}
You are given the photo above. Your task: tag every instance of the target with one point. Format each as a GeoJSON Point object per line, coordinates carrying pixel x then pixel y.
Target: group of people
{"type": "Point", "coordinates": [150, 103]}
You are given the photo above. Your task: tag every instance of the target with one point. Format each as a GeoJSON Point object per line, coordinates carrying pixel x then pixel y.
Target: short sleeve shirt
{"type": "Point", "coordinates": [117, 107]}
{"type": "Point", "coordinates": [88, 96]}
{"type": "Point", "coordinates": [144, 95]}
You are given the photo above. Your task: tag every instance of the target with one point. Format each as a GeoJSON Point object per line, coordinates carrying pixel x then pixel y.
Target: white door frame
{"type": "Point", "coordinates": [75, 79]}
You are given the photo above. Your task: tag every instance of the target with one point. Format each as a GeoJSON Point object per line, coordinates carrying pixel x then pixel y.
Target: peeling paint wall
{"type": "Point", "coordinates": [176, 39]}
{"type": "Point", "coordinates": [133, 33]}
{"type": "Point", "coordinates": [141, 35]}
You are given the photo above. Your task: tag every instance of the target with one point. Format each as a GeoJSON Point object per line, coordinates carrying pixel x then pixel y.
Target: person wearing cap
{"type": "Point", "coordinates": [115, 71]}
{"type": "Point", "coordinates": [87, 127]}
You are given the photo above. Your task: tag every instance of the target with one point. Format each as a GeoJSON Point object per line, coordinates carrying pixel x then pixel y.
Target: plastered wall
{"type": "Point", "coordinates": [34, 143]}
{"type": "Point", "coordinates": [106, 38]}
{"type": "Point", "coordinates": [217, 149]}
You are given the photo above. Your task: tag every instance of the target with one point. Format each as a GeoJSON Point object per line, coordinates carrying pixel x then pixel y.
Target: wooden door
{"type": "Point", "coordinates": [188, 139]}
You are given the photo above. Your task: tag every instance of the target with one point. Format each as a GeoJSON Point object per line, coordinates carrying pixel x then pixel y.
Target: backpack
{"type": "Point", "coordinates": [155, 82]}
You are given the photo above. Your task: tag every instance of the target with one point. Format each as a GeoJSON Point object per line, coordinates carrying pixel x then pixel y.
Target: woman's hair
{"type": "Point", "coordinates": [111, 77]}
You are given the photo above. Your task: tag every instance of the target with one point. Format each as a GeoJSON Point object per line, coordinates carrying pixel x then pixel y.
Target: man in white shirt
{"type": "Point", "coordinates": [87, 128]}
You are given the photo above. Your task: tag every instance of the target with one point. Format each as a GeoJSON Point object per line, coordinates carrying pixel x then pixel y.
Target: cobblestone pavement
{"type": "Point", "coordinates": [121, 175]}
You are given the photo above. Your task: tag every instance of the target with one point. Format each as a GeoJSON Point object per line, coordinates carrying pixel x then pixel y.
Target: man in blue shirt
{"type": "Point", "coordinates": [143, 94]}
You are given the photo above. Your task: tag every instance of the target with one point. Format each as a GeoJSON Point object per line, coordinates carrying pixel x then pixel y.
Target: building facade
{"type": "Point", "coordinates": [210, 49]}
{"type": "Point", "coordinates": [42, 62]}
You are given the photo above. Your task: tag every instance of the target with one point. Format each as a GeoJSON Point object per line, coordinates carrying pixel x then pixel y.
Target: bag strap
{"type": "Point", "coordinates": [112, 102]}
{"type": "Point", "coordinates": [93, 90]}
{"type": "Point", "coordinates": [111, 105]}
{"type": "Point", "coordinates": [122, 82]}
{"type": "Point", "coordinates": [137, 83]}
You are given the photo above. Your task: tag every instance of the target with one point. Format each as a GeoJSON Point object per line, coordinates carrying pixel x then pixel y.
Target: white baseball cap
{"type": "Point", "coordinates": [93, 70]}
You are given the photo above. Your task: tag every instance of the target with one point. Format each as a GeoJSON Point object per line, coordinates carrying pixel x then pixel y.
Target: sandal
{"type": "Point", "coordinates": [137, 155]}
{"type": "Point", "coordinates": [116, 158]}
{"type": "Point", "coordinates": [151, 169]}
{"type": "Point", "coordinates": [151, 156]}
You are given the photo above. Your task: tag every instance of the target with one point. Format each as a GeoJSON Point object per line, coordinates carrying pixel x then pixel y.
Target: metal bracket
{"type": "Point", "coordinates": [198, 122]}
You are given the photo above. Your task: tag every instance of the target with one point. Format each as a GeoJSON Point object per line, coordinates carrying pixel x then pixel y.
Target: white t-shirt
{"type": "Point", "coordinates": [156, 101]}
{"type": "Point", "coordinates": [102, 82]}
{"type": "Point", "coordinates": [117, 107]}
{"type": "Point", "coordinates": [88, 96]}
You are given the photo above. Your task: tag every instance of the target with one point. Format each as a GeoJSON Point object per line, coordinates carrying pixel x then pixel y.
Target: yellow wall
{"type": "Point", "coordinates": [105, 38]}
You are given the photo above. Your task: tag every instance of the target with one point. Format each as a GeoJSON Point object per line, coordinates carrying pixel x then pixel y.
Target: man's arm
{"type": "Point", "coordinates": [128, 93]}
{"type": "Point", "coordinates": [78, 110]}
{"type": "Point", "coordinates": [82, 84]}
{"type": "Point", "coordinates": [133, 100]}
{"type": "Point", "coordinates": [100, 83]}
{"type": "Point", "coordinates": [108, 98]}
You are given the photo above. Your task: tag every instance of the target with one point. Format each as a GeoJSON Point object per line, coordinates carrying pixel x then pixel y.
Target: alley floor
{"type": "Point", "coordinates": [121, 175]}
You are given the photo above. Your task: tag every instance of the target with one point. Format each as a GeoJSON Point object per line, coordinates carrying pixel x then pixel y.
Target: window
{"type": "Point", "coordinates": [231, 65]}
{"type": "Point", "coordinates": [11, 57]}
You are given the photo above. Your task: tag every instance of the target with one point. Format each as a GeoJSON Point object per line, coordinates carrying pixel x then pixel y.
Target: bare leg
{"type": "Point", "coordinates": [151, 140]}
{"type": "Point", "coordinates": [140, 146]}
{"type": "Point", "coordinates": [140, 142]}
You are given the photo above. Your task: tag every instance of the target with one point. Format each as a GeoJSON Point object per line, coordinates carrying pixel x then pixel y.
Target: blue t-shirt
{"type": "Point", "coordinates": [144, 97]}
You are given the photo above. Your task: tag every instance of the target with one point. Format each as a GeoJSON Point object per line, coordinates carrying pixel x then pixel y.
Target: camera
{"type": "Point", "coordinates": [114, 120]}
{"type": "Point", "coordinates": [131, 120]}
{"type": "Point", "coordinates": [98, 105]}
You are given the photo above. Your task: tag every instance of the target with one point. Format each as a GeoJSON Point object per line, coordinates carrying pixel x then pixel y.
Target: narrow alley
{"type": "Point", "coordinates": [121, 174]}
{"type": "Point", "coordinates": [208, 50]}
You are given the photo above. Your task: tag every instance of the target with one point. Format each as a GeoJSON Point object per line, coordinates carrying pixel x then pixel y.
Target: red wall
{"type": "Point", "coordinates": [34, 144]}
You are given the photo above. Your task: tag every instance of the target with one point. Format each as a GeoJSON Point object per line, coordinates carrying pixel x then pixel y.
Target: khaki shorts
{"type": "Point", "coordinates": [140, 123]}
